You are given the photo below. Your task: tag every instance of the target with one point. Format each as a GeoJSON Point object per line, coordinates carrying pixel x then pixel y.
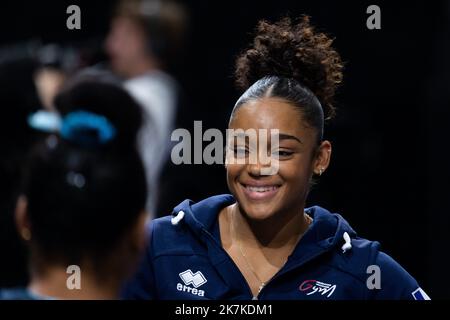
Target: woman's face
{"type": "Point", "coordinates": [295, 158]}
{"type": "Point", "coordinates": [125, 45]}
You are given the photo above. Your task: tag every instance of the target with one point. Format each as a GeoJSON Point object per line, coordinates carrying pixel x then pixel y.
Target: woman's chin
{"type": "Point", "coordinates": [258, 212]}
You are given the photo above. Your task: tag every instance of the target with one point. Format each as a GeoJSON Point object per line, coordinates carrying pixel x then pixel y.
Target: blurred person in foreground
{"type": "Point", "coordinates": [82, 204]}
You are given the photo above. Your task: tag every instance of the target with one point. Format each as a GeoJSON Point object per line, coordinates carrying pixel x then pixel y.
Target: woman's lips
{"type": "Point", "coordinates": [260, 192]}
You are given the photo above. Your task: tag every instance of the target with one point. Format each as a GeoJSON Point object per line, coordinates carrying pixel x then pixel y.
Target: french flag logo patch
{"type": "Point", "coordinates": [419, 294]}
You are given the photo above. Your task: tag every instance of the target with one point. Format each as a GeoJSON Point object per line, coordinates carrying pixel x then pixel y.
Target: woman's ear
{"type": "Point", "coordinates": [22, 220]}
{"type": "Point", "coordinates": [323, 157]}
{"type": "Point", "coordinates": [133, 244]}
{"type": "Point", "coordinates": [139, 234]}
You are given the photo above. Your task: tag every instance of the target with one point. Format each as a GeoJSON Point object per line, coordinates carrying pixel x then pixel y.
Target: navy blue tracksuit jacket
{"type": "Point", "coordinates": [185, 260]}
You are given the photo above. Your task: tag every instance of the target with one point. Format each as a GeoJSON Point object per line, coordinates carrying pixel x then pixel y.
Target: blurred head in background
{"type": "Point", "coordinates": [84, 194]}
{"type": "Point", "coordinates": [145, 35]}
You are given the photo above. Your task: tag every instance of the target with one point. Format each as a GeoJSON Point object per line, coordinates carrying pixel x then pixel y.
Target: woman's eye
{"type": "Point", "coordinates": [240, 152]}
{"type": "Point", "coordinates": [282, 154]}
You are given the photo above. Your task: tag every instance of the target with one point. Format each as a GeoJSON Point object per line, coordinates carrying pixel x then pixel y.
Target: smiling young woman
{"type": "Point", "coordinates": [268, 219]}
{"type": "Point", "coordinates": [261, 242]}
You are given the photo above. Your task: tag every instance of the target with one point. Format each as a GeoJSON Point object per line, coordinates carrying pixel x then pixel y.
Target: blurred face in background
{"type": "Point", "coordinates": [48, 82]}
{"type": "Point", "coordinates": [126, 46]}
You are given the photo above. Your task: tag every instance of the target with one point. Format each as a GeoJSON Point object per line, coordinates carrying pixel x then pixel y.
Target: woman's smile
{"type": "Point", "coordinates": [259, 191]}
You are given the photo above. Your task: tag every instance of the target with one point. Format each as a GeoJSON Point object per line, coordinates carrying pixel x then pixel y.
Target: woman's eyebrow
{"type": "Point", "coordinates": [281, 136]}
{"type": "Point", "coordinates": [284, 136]}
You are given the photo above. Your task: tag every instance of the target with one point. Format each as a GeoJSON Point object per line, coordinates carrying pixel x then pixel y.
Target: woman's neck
{"type": "Point", "coordinates": [277, 231]}
{"type": "Point", "coordinates": [53, 282]}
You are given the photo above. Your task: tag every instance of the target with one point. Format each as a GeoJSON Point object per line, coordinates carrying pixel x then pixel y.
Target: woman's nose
{"type": "Point", "coordinates": [260, 167]}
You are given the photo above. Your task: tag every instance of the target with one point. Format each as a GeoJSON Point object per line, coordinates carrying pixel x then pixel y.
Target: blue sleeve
{"type": "Point", "coordinates": [396, 282]}
{"type": "Point", "coordinates": [141, 285]}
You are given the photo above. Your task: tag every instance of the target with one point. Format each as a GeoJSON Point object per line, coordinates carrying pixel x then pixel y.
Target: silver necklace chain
{"type": "Point", "coordinates": [247, 261]}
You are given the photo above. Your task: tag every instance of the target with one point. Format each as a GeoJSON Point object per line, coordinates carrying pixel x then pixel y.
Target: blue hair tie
{"type": "Point", "coordinates": [45, 121]}
{"type": "Point", "coordinates": [77, 125]}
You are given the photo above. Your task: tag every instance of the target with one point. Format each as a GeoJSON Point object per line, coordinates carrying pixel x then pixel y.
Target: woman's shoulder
{"type": "Point", "coordinates": [385, 277]}
{"type": "Point", "coordinates": [19, 293]}
{"type": "Point", "coordinates": [201, 214]}
{"type": "Point", "coordinates": [184, 229]}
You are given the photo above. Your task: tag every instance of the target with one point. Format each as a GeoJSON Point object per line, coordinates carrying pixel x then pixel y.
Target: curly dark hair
{"type": "Point", "coordinates": [292, 50]}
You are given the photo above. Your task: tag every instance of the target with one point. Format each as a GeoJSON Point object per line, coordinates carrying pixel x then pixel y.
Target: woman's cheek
{"type": "Point", "coordinates": [233, 171]}
{"type": "Point", "coordinates": [295, 174]}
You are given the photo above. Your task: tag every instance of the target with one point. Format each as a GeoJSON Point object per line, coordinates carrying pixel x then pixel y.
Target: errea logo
{"type": "Point", "coordinates": [189, 278]}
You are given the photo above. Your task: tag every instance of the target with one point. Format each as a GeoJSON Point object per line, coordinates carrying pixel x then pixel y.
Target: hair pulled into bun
{"type": "Point", "coordinates": [292, 50]}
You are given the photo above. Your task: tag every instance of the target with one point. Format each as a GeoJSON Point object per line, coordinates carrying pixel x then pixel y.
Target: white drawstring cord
{"type": "Point", "coordinates": [348, 243]}
{"type": "Point", "coordinates": [177, 218]}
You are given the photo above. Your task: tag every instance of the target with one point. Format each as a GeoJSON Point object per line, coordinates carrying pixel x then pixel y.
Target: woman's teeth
{"type": "Point", "coordinates": [260, 193]}
{"type": "Point", "coordinates": [261, 189]}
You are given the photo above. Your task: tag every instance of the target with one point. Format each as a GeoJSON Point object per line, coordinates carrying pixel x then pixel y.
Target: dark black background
{"type": "Point", "coordinates": [390, 166]}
